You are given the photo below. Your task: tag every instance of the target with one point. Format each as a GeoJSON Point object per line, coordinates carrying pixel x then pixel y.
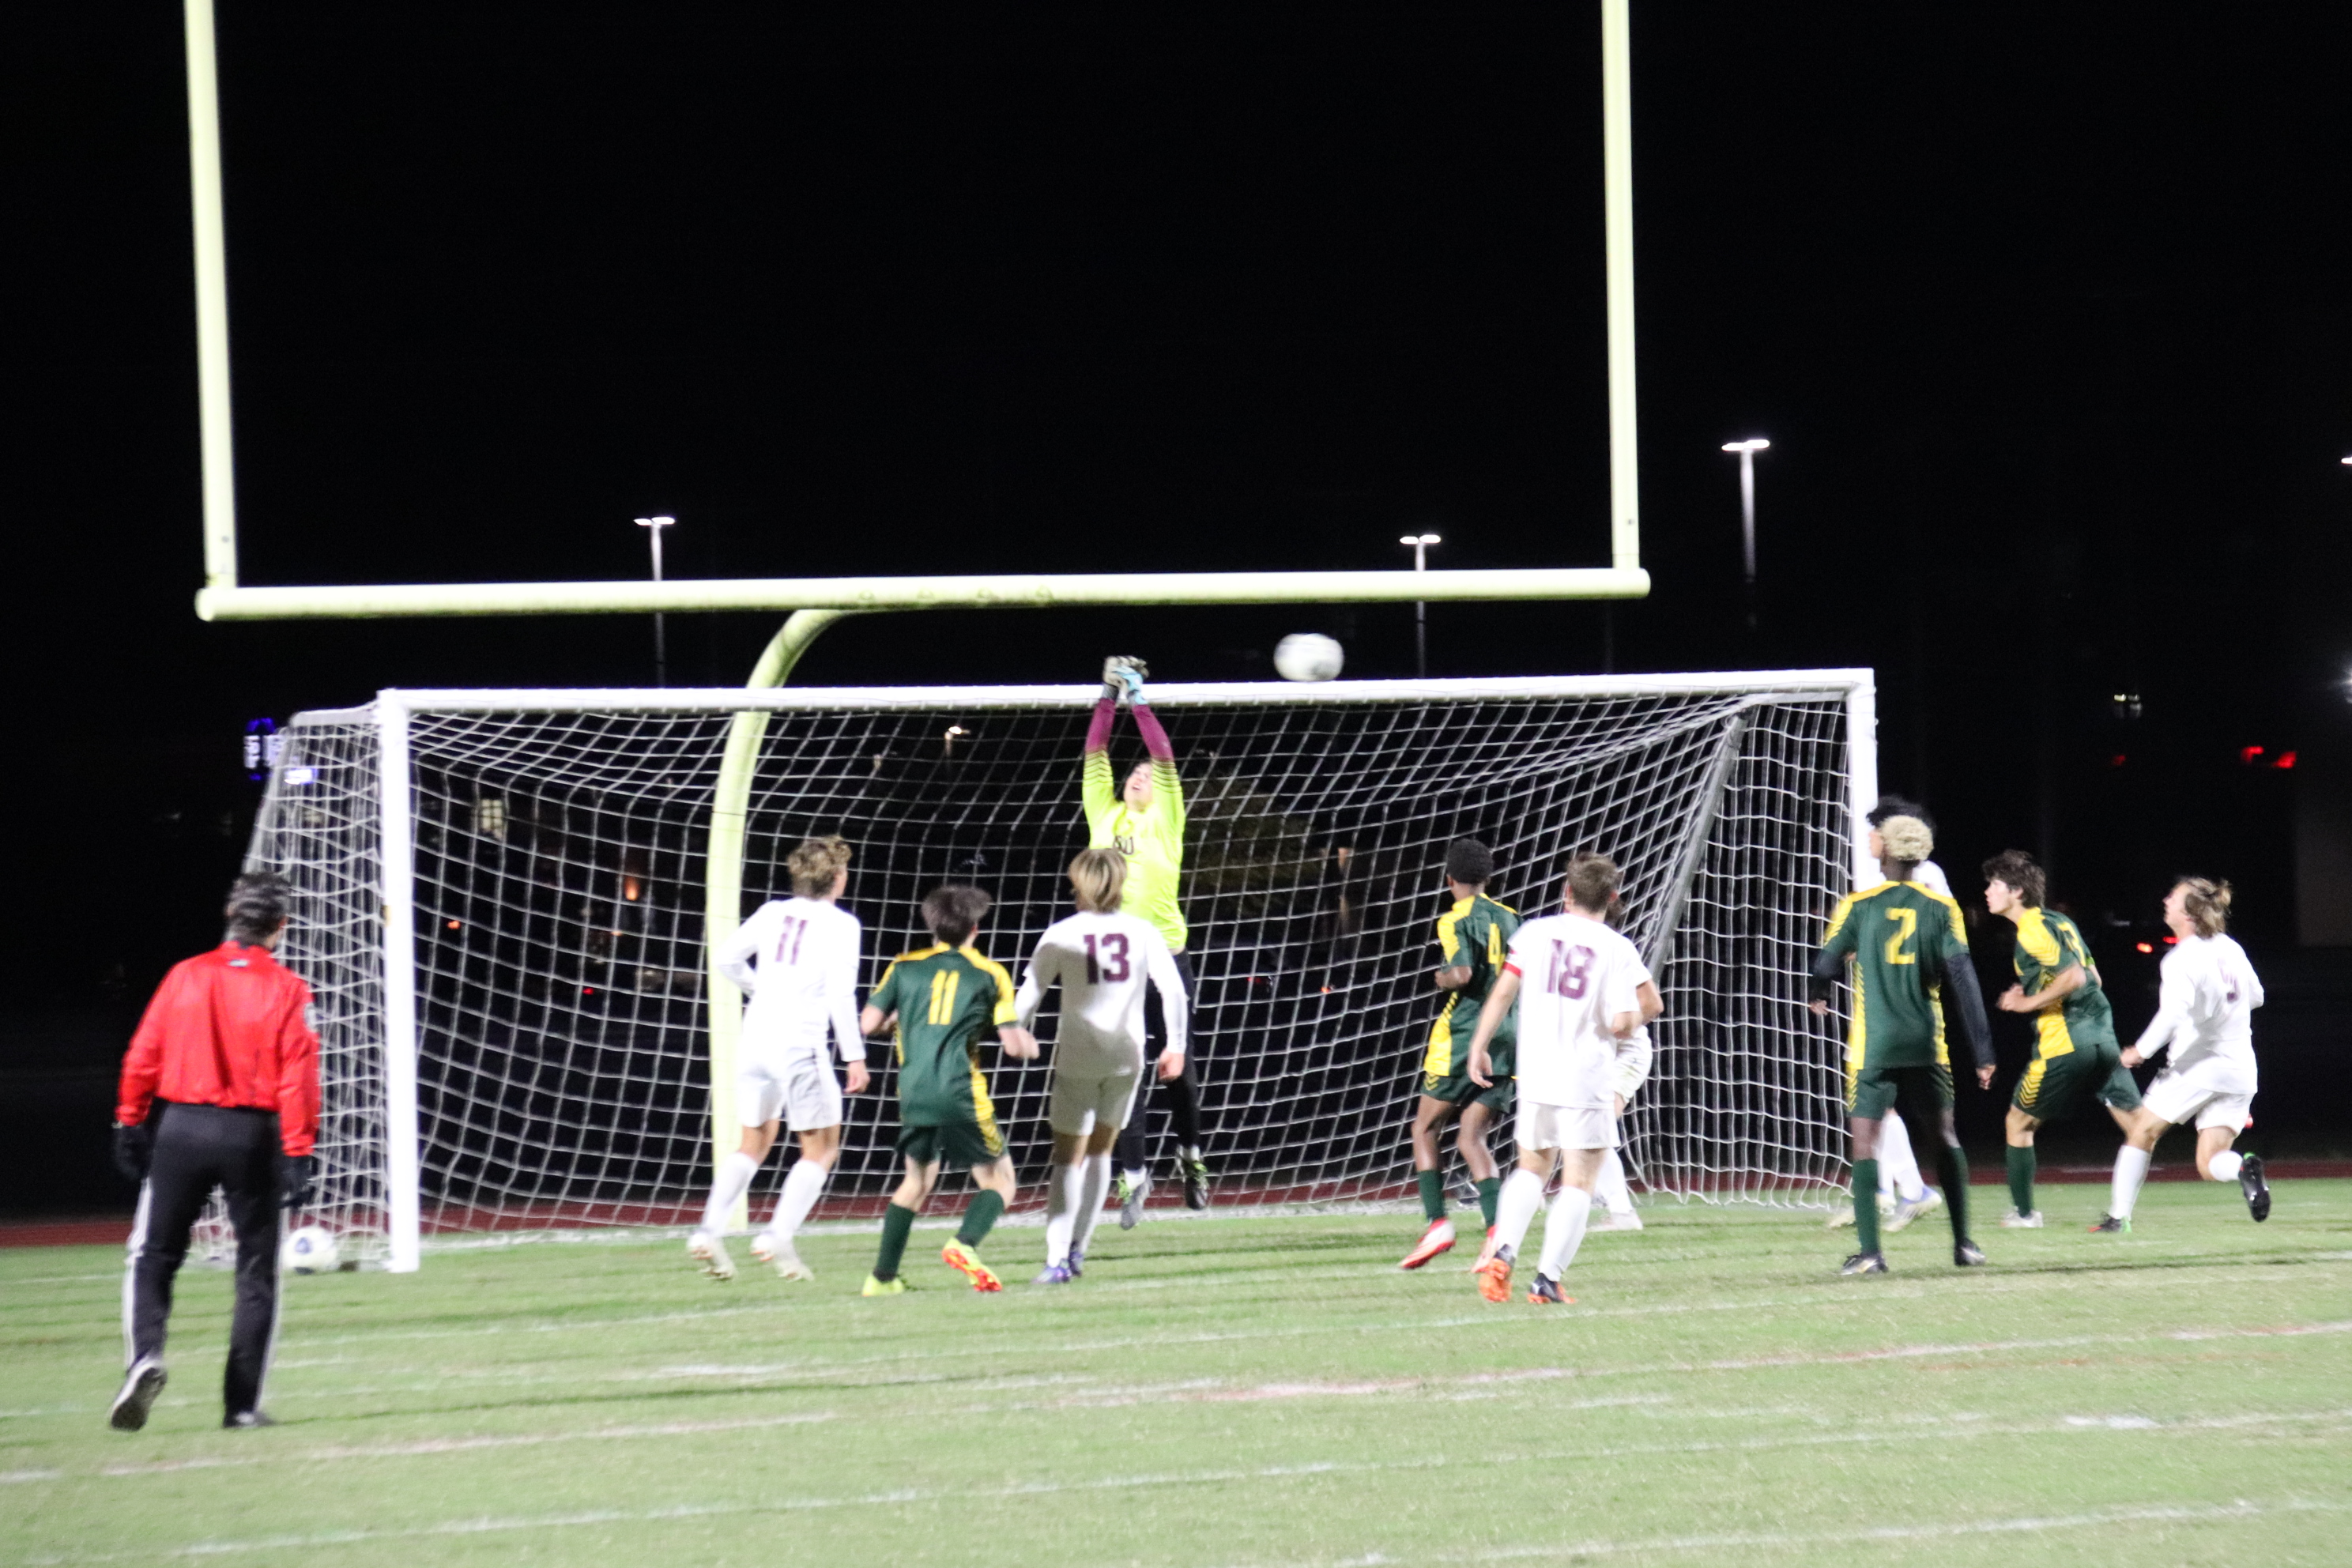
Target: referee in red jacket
{"type": "Point", "coordinates": [220, 1089]}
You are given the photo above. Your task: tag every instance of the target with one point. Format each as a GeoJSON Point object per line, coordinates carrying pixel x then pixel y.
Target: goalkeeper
{"type": "Point", "coordinates": [1143, 819]}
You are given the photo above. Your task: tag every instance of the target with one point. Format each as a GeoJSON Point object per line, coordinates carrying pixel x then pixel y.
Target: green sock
{"type": "Point", "coordinates": [897, 1225]}
{"type": "Point", "coordinates": [980, 1217]}
{"type": "Point", "coordinates": [1865, 1204]}
{"type": "Point", "coordinates": [1433, 1194]}
{"type": "Point", "coordinates": [2020, 1177]}
{"type": "Point", "coordinates": [1490, 1192]}
{"type": "Point", "coordinates": [1952, 1165]}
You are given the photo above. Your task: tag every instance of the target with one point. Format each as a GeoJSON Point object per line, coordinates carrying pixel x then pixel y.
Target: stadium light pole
{"type": "Point", "coordinates": [1421, 544]}
{"type": "Point", "coordinates": [653, 527]}
{"type": "Point", "coordinates": [1747, 450]}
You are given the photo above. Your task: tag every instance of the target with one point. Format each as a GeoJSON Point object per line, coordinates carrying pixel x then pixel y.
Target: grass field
{"type": "Point", "coordinates": [1238, 1392]}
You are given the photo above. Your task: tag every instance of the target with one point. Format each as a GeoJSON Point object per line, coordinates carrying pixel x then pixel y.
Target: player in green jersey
{"type": "Point", "coordinates": [2076, 1056]}
{"type": "Point", "coordinates": [1903, 942]}
{"type": "Point", "coordinates": [1143, 819]}
{"type": "Point", "coordinates": [944, 999]}
{"type": "Point", "coordinates": [1472, 937]}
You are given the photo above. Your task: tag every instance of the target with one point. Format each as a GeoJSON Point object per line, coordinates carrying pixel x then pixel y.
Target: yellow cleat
{"type": "Point", "coordinates": [885, 1287]}
{"type": "Point", "coordinates": [966, 1262]}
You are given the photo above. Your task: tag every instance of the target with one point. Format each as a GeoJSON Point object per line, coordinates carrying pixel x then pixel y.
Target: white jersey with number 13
{"type": "Point", "coordinates": [1101, 961]}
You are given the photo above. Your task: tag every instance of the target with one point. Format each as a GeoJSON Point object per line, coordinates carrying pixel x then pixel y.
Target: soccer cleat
{"type": "Point", "coordinates": [140, 1384]}
{"type": "Point", "coordinates": [2110, 1225]}
{"type": "Point", "coordinates": [1132, 1194]}
{"type": "Point", "coordinates": [1437, 1238]}
{"type": "Point", "coordinates": [1077, 1263]}
{"type": "Point", "coordinates": [2012, 1220]}
{"type": "Point", "coordinates": [1864, 1263]}
{"type": "Point", "coordinates": [1196, 1182]}
{"type": "Point", "coordinates": [885, 1287]}
{"type": "Point", "coordinates": [1613, 1219]}
{"type": "Point", "coordinates": [1055, 1274]}
{"type": "Point", "coordinates": [1545, 1292]}
{"type": "Point", "coordinates": [1486, 1251]}
{"type": "Point", "coordinates": [1966, 1255]}
{"type": "Point", "coordinates": [1843, 1219]}
{"type": "Point", "coordinates": [2257, 1190]}
{"type": "Point", "coordinates": [1495, 1275]}
{"type": "Point", "coordinates": [246, 1420]}
{"type": "Point", "coordinates": [777, 1253]}
{"type": "Point", "coordinates": [966, 1262]}
{"type": "Point", "coordinates": [1905, 1210]}
{"type": "Point", "coordinates": [711, 1253]}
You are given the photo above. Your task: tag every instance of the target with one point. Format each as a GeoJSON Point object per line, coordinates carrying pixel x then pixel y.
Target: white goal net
{"type": "Point", "coordinates": [507, 948]}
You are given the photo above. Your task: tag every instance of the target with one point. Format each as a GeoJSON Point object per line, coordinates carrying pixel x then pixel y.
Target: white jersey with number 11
{"type": "Point", "coordinates": [1575, 973]}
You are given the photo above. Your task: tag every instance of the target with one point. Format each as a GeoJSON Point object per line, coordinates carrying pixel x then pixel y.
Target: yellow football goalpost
{"type": "Point", "coordinates": [816, 603]}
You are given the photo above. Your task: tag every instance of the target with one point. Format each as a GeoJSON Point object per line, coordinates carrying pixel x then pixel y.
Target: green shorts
{"type": "Point", "coordinates": [1920, 1091]}
{"type": "Point", "coordinates": [1459, 1089]}
{"type": "Point", "coordinates": [955, 1144]}
{"type": "Point", "coordinates": [2053, 1086]}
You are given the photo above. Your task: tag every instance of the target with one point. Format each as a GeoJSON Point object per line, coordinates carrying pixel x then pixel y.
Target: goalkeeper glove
{"type": "Point", "coordinates": [134, 1151]}
{"type": "Point", "coordinates": [297, 1174]}
{"type": "Point", "coordinates": [1123, 680]}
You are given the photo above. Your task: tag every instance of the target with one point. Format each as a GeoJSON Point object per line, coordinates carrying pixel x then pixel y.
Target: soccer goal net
{"type": "Point", "coordinates": [501, 911]}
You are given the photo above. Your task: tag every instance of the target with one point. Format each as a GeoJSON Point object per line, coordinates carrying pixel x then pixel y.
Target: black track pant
{"type": "Point", "coordinates": [1181, 1093]}
{"type": "Point", "coordinates": [198, 1148]}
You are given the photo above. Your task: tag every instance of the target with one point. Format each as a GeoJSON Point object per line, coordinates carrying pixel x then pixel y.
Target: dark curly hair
{"type": "Point", "coordinates": [258, 904]}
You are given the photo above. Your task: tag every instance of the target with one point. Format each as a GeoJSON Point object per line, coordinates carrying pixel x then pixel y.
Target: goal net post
{"type": "Point", "coordinates": [499, 905]}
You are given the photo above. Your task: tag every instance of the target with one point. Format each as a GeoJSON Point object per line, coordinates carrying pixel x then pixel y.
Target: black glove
{"type": "Point", "coordinates": [134, 1151]}
{"type": "Point", "coordinates": [297, 1174]}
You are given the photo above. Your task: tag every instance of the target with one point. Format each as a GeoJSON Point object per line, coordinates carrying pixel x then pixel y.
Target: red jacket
{"type": "Point", "coordinates": [231, 1027]}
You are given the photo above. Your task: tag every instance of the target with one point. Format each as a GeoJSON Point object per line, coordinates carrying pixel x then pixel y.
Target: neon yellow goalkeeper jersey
{"type": "Point", "coordinates": [1152, 840]}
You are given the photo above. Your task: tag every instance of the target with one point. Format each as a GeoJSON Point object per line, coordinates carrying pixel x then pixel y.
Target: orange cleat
{"type": "Point", "coordinates": [1545, 1292]}
{"type": "Point", "coordinates": [966, 1262]}
{"type": "Point", "coordinates": [1437, 1238]}
{"type": "Point", "coordinates": [1495, 1275]}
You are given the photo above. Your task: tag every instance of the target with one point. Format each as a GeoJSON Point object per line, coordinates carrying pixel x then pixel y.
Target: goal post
{"type": "Point", "coordinates": [501, 900]}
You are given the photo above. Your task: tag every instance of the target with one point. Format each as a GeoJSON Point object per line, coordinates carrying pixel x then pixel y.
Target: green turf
{"type": "Point", "coordinates": [1239, 1391]}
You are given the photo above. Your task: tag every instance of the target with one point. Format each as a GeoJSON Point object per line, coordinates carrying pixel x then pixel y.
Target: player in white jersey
{"type": "Point", "coordinates": [1101, 959]}
{"type": "Point", "coordinates": [797, 960]}
{"type": "Point", "coordinates": [1581, 991]}
{"type": "Point", "coordinates": [1610, 1188]}
{"type": "Point", "coordinates": [2205, 1015]}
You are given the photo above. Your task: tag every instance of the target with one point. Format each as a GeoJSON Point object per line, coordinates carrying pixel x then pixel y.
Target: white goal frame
{"type": "Point", "coordinates": [393, 710]}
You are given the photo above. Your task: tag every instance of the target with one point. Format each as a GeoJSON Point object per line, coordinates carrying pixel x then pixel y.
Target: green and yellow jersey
{"type": "Point", "coordinates": [1152, 840]}
{"type": "Point", "coordinates": [1476, 932]}
{"type": "Point", "coordinates": [1902, 939]}
{"type": "Point", "coordinates": [2047, 942]}
{"type": "Point", "coordinates": [947, 1000]}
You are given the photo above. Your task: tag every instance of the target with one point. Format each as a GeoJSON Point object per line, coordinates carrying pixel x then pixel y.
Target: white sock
{"type": "Point", "coordinates": [1137, 1176]}
{"type": "Point", "coordinates": [2225, 1165]}
{"type": "Point", "coordinates": [801, 1188]}
{"type": "Point", "coordinates": [735, 1173]}
{"type": "Point", "coordinates": [1093, 1188]}
{"type": "Point", "coordinates": [1064, 1190]}
{"type": "Point", "coordinates": [1898, 1167]}
{"type": "Point", "coordinates": [1522, 1195]}
{"type": "Point", "coordinates": [1572, 1210]}
{"type": "Point", "coordinates": [2131, 1170]}
{"type": "Point", "coordinates": [1610, 1188]}
{"type": "Point", "coordinates": [1189, 1151]}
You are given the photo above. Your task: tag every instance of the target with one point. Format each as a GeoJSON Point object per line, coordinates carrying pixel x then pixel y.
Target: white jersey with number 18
{"type": "Point", "coordinates": [1101, 961]}
{"type": "Point", "coordinates": [1575, 975]}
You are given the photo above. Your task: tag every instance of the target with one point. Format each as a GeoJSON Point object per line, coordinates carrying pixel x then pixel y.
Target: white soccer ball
{"type": "Point", "coordinates": [1308, 656]}
{"type": "Point", "coordinates": [312, 1250]}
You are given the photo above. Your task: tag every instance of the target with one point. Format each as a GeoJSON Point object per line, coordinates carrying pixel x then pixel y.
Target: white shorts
{"type": "Point", "coordinates": [1564, 1127]}
{"type": "Point", "coordinates": [803, 1090]}
{"type": "Point", "coordinates": [2215, 1092]}
{"type": "Point", "coordinates": [1081, 1103]}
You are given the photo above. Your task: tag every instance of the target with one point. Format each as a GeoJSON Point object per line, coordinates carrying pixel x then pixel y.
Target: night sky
{"type": "Point", "coordinates": [2049, 320]}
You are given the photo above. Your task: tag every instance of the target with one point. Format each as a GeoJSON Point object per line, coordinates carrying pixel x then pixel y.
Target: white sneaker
{"type": "Point", "coordinates": [1905, 1210]}
{"type": "Point", "coordinates": [777, 1253]}
{"type": "Point", "coordinates": [2012, 1220]}
{"type": "Point", "coordinates": [1614, 1219]}
{"type": "Point", "coordinates": [711, 1253]}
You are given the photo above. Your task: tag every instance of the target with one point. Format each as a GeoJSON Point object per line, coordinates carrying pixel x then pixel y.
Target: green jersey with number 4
{"type": "Point", "coordinates": [1902, 939]}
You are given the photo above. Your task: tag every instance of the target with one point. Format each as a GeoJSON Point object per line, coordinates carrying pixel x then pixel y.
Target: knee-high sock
{"type": "Point", "coordinates": [1952, 1170]}
{"type": "Point", "coordinates": [2131, 1170]}
{"type": "Point", "coordinates": [1564, 1223]}
{"type": "Point", "coordinates": [1608, 1189]}
{"type": "Point", "coordinates": [1898, 1167]}
{"type": "Point", "coordinates": [802, 1186]}
{"type": "Point", "coordinates": [1490, 1195]}
{"type": "Point", "coordinates": [1184, 1108]}
{"type": "Point", "coordinates": [1094, 1186]}
{"type": "Point", "coordinates": [980, 1217]}
{"type": "Point", "coordinates": [2021, 1164]}
{"type": "Point", "coordinates": [735, 1173]}
{"type": "Point", "coordinates": [1522, 1195]}
{"type": "Point", "coordinates": [1062, 1197]}
{"type": "Point", "coordinates": [1433, 1194]}
{"type": "Point", "coordinates": [1865, 1205]}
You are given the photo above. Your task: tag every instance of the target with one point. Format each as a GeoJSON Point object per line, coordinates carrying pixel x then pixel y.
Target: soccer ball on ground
{"type": "Point", "coordinates": [312, 1250]}
{"type": "Point", "coordinates": [1308, 656]}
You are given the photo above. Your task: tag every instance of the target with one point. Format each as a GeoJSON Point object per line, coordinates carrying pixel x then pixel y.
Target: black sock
{"type": "Point", "coordinates": [1952, 1165]}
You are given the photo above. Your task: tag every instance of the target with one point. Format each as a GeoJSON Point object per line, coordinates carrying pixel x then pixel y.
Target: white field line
{"type": "Point", "coordinates": [432, 1446]}
{"type": "Point", "coordinates": [1907, 1434]}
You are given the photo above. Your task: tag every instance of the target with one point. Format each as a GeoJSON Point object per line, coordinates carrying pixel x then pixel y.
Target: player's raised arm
{"type": "Point", "coordinates": [1167, 789]}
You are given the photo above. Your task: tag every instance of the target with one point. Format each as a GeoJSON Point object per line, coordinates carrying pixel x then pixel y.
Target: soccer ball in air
{"type": "Point", "coordinates": [1308, 656]}
{"type": "Point", "coordinates": [312, 1250]}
